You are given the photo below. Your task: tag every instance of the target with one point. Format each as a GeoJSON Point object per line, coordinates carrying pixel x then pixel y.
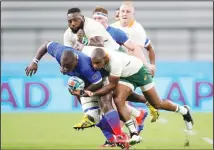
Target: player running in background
{"type": "Point", "coordinates": [134, 30]}
{"type": "Point", "coordinates": [116, 15]}
{"type": "Point", "coordinates": [75, 63]}
{"type": "Point", "coordinates": [126, 74]}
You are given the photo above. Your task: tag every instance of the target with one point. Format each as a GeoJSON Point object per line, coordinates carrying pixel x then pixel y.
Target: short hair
{"type": "Point", "coordinates": [129, 5]}
{"type": "Point", "coordinates": [100, 9]}
{"type": "Point", "coordinates": [73, 10]}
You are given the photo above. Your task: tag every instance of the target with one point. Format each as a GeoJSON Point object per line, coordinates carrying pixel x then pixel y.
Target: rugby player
{"type": "Point", "coordinates": [135, 31]}
{"type": "Point", "coordinates": [116, 15]}
{"type": "Point", "coordinates": [130, 72]}
{"type": "Point", "coordinates": [75, 63]}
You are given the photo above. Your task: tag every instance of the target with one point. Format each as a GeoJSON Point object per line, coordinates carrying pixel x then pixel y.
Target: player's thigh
{"type": "Point", "coordinates": [106, 102]}
{"type": "Point", "coordinates": [151, 96]}
{"type": "Point", "coordinates": [121, 92]}
{"type": "Point", "coordinates": [89, 102]}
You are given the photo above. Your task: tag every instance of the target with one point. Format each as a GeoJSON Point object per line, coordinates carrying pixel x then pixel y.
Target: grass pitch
{"type": "Point", "coordinates": [54, 131]}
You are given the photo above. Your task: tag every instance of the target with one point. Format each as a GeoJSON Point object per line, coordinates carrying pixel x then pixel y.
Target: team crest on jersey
{"type": "Point", "coordinates": [95, 76]}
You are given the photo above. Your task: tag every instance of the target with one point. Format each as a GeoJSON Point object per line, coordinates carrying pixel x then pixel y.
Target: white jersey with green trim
{"type": "Point", "coordinates": [122, 65]}
{"type": "Point", "coordinates": [91, 28]}
{"type": "Point", "coordinates": [135, 32]}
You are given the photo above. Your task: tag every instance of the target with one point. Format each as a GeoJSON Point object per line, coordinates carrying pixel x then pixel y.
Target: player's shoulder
{"type": "Point", "coordinates": [115, 24]}
{"type": "Point", "coordinates": [89, 22]}
{"type": "Point", "coordinates": [67, 31]}
{"type": "Point", "coordinates": [137, 25]}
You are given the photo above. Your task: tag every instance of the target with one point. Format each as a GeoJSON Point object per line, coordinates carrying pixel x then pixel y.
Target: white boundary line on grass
{"type": "Point", "coordinates": [208, 140]}
{"type": "Point", "coordinates": [162, 120]}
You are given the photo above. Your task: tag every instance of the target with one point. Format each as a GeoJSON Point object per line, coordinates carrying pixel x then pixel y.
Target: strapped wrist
{"type": "Point", "coordinates": [35, 60]}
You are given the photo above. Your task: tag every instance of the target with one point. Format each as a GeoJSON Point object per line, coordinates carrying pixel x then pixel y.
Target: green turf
{"type": "Point", "coordinates": [40, 130]}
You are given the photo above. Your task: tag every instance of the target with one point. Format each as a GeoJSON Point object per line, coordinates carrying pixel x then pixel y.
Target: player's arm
{"type": "Point", "coordinates": [114, 77]}
{"type": "Point", "coordinates": [95, 78]}
{"type": "Point", "coordinates": [33, 66]}
{"type": "Point", "coordinates": [113, 81]}
{"type": "Point", "coordinates": [96, 41]}
{"type": "Point", "coordinates": [151, 52]}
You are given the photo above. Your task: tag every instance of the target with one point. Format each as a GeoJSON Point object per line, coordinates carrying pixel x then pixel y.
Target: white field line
{"type": "Point", "coordinates": [162, 120]}
{"type": "Point", "coordinates": [208, 140]}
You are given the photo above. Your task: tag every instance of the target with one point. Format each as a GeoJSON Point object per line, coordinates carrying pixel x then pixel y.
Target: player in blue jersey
{"type": "Point", "coordinates": [75, 63]}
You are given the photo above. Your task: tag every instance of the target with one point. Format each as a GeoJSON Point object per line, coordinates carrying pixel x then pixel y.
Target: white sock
{"type": "Point", "coordinates": [131, 126]}
{"type": "Point", "coordinates": [181, 109]}
{"type": "Point", "coordinates": [134, 112]}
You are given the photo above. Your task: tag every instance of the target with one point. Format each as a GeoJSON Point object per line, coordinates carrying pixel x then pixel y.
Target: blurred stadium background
{"type": "Point", "coordinates": [38, 112]}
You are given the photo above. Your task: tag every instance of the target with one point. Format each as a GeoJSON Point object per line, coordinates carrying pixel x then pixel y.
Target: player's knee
{"type": "Point", "coordinates": [119, 102]}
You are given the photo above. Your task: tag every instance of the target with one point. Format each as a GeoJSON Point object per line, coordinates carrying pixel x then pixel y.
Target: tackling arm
{"type": "Point", "coordinates": [113, 80]}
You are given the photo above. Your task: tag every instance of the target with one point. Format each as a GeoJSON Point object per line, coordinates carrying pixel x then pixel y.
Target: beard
{"type": "Point", "coordinates": [77, 29]}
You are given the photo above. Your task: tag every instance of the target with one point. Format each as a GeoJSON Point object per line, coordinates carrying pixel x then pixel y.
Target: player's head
{"type": "Point", "coordinates": [99, 58]}
{"type": "Point", "coordinates": [116, 15]}
{"type": "Point", "coordinates": [68, 61]}
{"type": "Point", "coordinates": [75, 19]}
{"type": "Point", "coordinates": [100, 15]}
{"type": "Point", "coordinates": [126, 13]}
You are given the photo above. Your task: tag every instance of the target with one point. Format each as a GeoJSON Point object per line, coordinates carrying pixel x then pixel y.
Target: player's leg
{"type": "Point", "coordinates": [120, 95]}
{"type": "Point", "coordinates": [85, 122]}
{"type": "Point", "coordinates": [152, 96]}
{"type": "Point", "coordinates": [139, 115]}
{"type": "Point", "coordinates": [112, 118]}
{"type": "Point", "coordinates": [134, 97]}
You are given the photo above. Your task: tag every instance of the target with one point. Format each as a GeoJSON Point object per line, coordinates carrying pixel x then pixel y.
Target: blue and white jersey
{"type": "Point", "coordinates": [84, 68]}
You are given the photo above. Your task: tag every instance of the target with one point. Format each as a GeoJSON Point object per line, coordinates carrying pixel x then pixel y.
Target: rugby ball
{"type": "Point", "coordinates": [75, 83]}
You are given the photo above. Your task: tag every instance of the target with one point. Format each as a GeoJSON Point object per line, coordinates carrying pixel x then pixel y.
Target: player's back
{"type": "Point", "coordinates": [129, 64]}
{"type": "Point", "coordinates": [55, 49]}
{"type": "Point", "coordinates": [93, 28]}
{"type": "Point", "coordinates": [134, 31]}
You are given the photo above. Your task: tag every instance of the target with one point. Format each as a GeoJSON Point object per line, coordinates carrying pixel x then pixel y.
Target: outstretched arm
{"type": "Point", "coordinates": [33, 66]}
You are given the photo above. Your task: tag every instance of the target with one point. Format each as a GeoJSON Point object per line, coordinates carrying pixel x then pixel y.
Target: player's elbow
{"type": "Point", "coordinates": [149, 47]}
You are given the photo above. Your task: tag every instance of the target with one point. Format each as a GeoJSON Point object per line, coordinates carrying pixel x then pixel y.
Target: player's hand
{"type": "Point", "coordinates": [74, 92]}
{"type": "Point", "coordinates": [31, 69]}
{"type": "Point", "coordinates": [89, 93]}
{"type": "Point", "coordinates": [153, 69]}
{"type": "Point", "coordinates": [80, 35]}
